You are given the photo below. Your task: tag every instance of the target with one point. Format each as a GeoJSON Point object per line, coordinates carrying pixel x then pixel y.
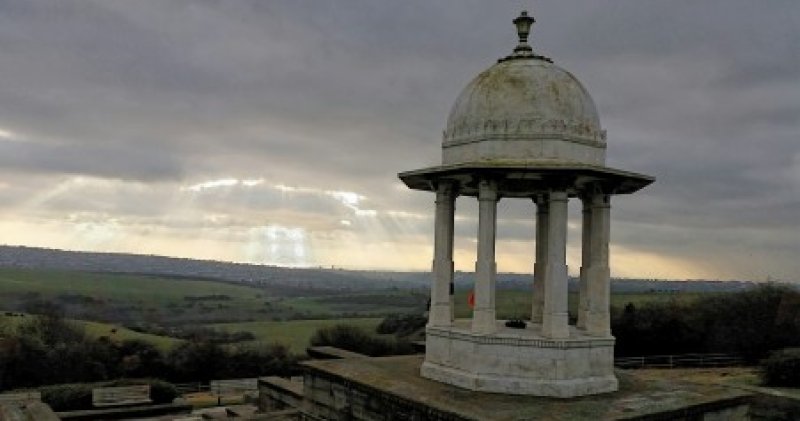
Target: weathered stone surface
{"type": "Point", "coordinates": [525, 128]}
{"type": "Point", "coordinates": [390, 388]}
{"type": "Point", "coordinates": [520, 361]}
{"type": "Point", "coordinates": [524, 109]}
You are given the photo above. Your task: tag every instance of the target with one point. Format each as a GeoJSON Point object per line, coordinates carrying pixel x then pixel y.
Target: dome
{"type": "Point", "coordinates": [524, 109]}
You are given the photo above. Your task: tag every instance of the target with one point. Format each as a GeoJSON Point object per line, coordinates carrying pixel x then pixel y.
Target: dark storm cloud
{"type": "Point", "coordinates": [343, 95]}
{"type": "Point", "coordinates": [120, 162]}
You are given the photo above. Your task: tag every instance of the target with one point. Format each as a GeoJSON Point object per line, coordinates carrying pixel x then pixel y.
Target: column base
{"type": "Point", "coordinates": [520, 361]}
{"type": "Point", "coordinates": [484, 321]}
{"type": "Point", "coordinates": [512, 385]}
{"type": "Point", "coordinates": [440, 315]}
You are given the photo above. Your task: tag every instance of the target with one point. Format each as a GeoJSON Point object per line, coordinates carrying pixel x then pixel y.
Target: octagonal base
{"type": "Point", "coordinates": [520, 361]}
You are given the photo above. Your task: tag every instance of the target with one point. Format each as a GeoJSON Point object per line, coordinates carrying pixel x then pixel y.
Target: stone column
{"type": "Point", "coordinates": [555, 322]}
{"type": "Point", "coordinates": [441, 311]}
{"type": "Point", "coordinates": [586, 257]}
{"type": "Point", "coordinates": [483, 317]}
{"type": "Point", "coordinates": [598, 274]}
{"type": "Point", "coordinates": [541, 257]}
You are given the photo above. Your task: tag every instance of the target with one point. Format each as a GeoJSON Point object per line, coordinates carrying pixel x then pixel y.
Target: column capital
{"type": "Point", "coordinates": [600, 201]}
{"type": "Point", "coordinates": [447, 187]}
{"type": "Point", "coordinates": [558, 196]}
{"type": "Point", "coordinates": [487, 190]}
{"type": "Point", "coordinates": [541, 199]}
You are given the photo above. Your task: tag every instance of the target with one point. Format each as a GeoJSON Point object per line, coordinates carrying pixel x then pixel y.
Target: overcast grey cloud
{"type": "Point", "coordinates": [117, 118]}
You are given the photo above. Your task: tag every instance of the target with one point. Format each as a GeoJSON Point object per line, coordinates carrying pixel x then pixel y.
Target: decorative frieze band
{"type": "Point", "coordinates": [467, 132]}
{"type": "Point", "coordinates": [519, 341]}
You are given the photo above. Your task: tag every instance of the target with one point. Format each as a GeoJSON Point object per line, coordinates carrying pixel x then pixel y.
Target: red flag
{"type": "Point", "coordinates": [471, 299]}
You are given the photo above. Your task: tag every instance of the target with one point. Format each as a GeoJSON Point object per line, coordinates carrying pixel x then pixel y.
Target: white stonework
{"type": "Point", "coordinates": [555, 320]}
{"type": "Point", "coordinates": [520, 361]}
{"type": "Point", "coordinates": [441, 300]}
{"type": "Point", "coordinates": [525, 128]}
{"type": "Point", "coordinates": [483, 319]}
{"type": "Point", "coordinates": [524, 110]}
{"type": "Point", "coordinates": [542, 213]}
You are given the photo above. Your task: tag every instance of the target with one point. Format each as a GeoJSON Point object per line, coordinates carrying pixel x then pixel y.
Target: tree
{"type": "Point", "coordinates": [198, 361]}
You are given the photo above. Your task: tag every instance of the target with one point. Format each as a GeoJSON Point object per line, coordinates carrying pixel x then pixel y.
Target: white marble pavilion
{"type": "Point", "coordinates": [525, 128]}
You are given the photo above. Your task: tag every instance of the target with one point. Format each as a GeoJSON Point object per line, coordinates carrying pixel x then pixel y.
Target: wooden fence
{"type": "Point", "coordinates": [679, 361]}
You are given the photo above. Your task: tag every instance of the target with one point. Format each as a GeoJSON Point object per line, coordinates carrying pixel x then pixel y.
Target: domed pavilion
{"type": "Point", "coordinates": [525, 128]}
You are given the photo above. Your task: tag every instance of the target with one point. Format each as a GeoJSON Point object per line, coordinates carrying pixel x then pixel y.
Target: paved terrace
{"type": "Point", "coordinates": [637, 397]}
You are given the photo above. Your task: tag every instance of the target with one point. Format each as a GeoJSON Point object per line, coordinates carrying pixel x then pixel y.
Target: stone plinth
{"type": "Point", "coordinates": [520, 361]}
{"type": "Point", "coordinates": [390, 388]}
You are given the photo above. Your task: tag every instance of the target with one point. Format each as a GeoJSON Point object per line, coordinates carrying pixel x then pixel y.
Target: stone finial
{"type": "Point", "coordinates": [523, 22]}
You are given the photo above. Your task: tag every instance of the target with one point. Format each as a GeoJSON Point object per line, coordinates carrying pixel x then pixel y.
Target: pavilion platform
{"type": "Point", "coordinates": [390, 388]}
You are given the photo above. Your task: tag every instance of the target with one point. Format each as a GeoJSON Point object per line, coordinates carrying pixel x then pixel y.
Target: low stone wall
{"type": "Point", "coordinates": [126, 412]}
{"type": "Point", "coordinates": [329, 397]}
{"type": "Point", "coordinates": [121, 395]}
{"type": "Point", "coordinates": [38, 411]}
{"type": "Point", "coordinates": [277, 393]}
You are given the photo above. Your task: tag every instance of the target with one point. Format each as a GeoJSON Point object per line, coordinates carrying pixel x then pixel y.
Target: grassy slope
{"type": "Point", "coordinates": [517, 304]}
{"type": "Point", "coordinates": [115, 286]}
{"type": "Point", "coordinates": [159, 292]}
{"type": "Point", "coordinates": [296, 333]}
{"type": "Point", "coordinates": [163, 299]}
{"type": "Point", "coordinates": [97, 329]}
{"type": "Point", "coordinates": [363, 304]}
{"type": "Point", "coordinates": [152, 293]}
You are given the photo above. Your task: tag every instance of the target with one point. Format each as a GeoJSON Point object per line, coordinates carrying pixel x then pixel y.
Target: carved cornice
{"type": "Point", "coordinates": [528, 129]}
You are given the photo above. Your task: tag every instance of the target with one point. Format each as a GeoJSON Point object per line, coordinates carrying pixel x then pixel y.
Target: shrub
{"type": "Point", "coordinates": [355, 339]}
{"type": "Point", "coordinates": [68, 397]}
{"type": "Point", "coordinates": [160, 390]}
{"type": "Point", "coordinates": [78, 396]}
{"type": "Point", "coordinates": [401, 324]}
{"type": "Point", "coordinates": [782, 368]}
{"type": "Point", "coordinates": [749, 324]}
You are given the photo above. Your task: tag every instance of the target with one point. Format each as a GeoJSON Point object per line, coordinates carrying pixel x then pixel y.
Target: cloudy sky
{"type": "Point", "coordinates": [272, 131]}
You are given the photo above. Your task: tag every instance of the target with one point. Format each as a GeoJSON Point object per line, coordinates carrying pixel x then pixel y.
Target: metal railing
{"type": "Point", "coordinates": [194, 387]}
{"type": "Point", "coordinates": [219, 386]}
{"type": "Point", "coordinates": [679, 361]}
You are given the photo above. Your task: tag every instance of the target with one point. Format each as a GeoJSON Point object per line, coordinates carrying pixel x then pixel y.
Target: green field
{"type": "Point", "coordinates": [296, 333]}
{"type": "Point", "coordinates": [120, 297]}
{"type": "Point", "coordinates": [165, 301]}
{"type": "Point", "coordinates": [150, 299]}
{"type": "Point", "coordinates": [119, 334]}
{"type": "Point", "coordinates": [153, 289]}
{"type": "Point", "coordinates": [513, 304]}
{"type": "Point", "coordinates": [362, 304]}
{"type": "Point", "coordinates": [96, 330]}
